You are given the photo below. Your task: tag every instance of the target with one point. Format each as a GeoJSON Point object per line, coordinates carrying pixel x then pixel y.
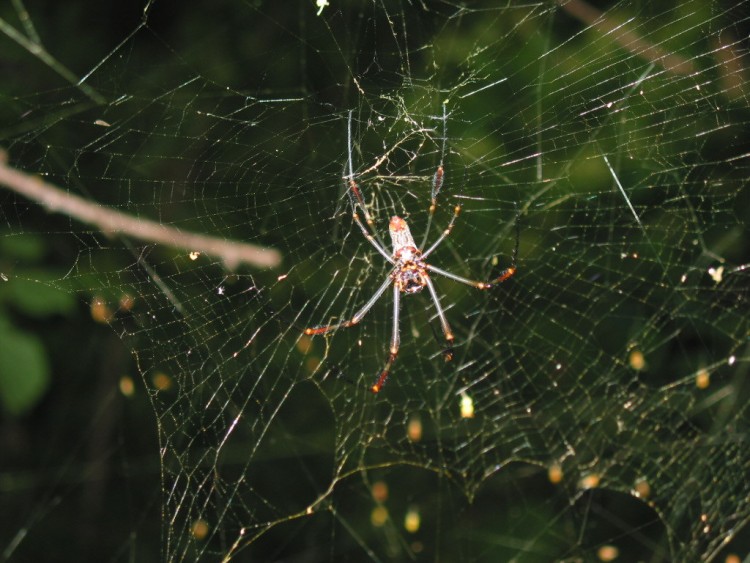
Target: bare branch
{"type": "Point", "coordinates": [110, 221]}
{"type": "Point", "coordinates": [628, 40]}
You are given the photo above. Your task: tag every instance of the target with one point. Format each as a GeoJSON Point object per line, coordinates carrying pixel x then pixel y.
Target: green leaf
{"type": "Point", "coordinates": [27, 246]}
{"type": "Point", "coordinates": [36, 298]}
{"type": "Point", "coordinates": [24, 370]}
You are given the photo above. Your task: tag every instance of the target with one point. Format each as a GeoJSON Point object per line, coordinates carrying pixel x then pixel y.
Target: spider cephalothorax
{"type": "Point", "coordinates": [410, 272]}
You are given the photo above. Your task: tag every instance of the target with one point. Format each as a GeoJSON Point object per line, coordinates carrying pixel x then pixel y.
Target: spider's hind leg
{"type": "Point", "coordinates": [395, 341]}
{"type": "Point", "coordinates": [447, 332]}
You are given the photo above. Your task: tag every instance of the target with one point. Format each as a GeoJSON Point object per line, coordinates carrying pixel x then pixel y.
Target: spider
{"type": "Point", "coordinates": [410, 273]}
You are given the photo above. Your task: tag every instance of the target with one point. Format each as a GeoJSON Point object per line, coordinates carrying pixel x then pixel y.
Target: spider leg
{"type": "Point", "coordinates": [356, 200]}
{"type": "Point", "coordinates": [446, 232]}
{"type": "Point", "coordinates": [448, 354]}
{"type": "Point", "coordinates": [360, 202]}
{"type": "Point", "coordinates": [437, 180]}
{"type": "Point", "coordinates": [357, 316]}
{"type": "Point", "coordinates": [504, 275]}
{"type": "Point", "coordinates": [395, 339]}
{"type": "Point", "coordinates": [437, 183]}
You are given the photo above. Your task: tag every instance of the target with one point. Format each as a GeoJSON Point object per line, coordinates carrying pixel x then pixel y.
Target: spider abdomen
{"type": "Point", "coordinates": [401, 237]}
{"type": "Point", "coordinates": [410, 276]}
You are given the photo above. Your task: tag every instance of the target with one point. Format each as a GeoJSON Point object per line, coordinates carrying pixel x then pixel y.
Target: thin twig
{"type": "Point", "coordinates": [110, 221]}
{"type": "Point", "coordinates": [610, 25]}
{"type": "Point", "coordinates": [37, 49]}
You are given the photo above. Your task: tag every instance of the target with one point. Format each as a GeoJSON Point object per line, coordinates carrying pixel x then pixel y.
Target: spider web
{"type": "Point", "coordinates": [596, 404]}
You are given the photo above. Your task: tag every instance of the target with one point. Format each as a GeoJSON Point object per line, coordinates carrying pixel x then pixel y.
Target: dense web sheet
{"type": "Point", "coordinates": [596, 403]}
